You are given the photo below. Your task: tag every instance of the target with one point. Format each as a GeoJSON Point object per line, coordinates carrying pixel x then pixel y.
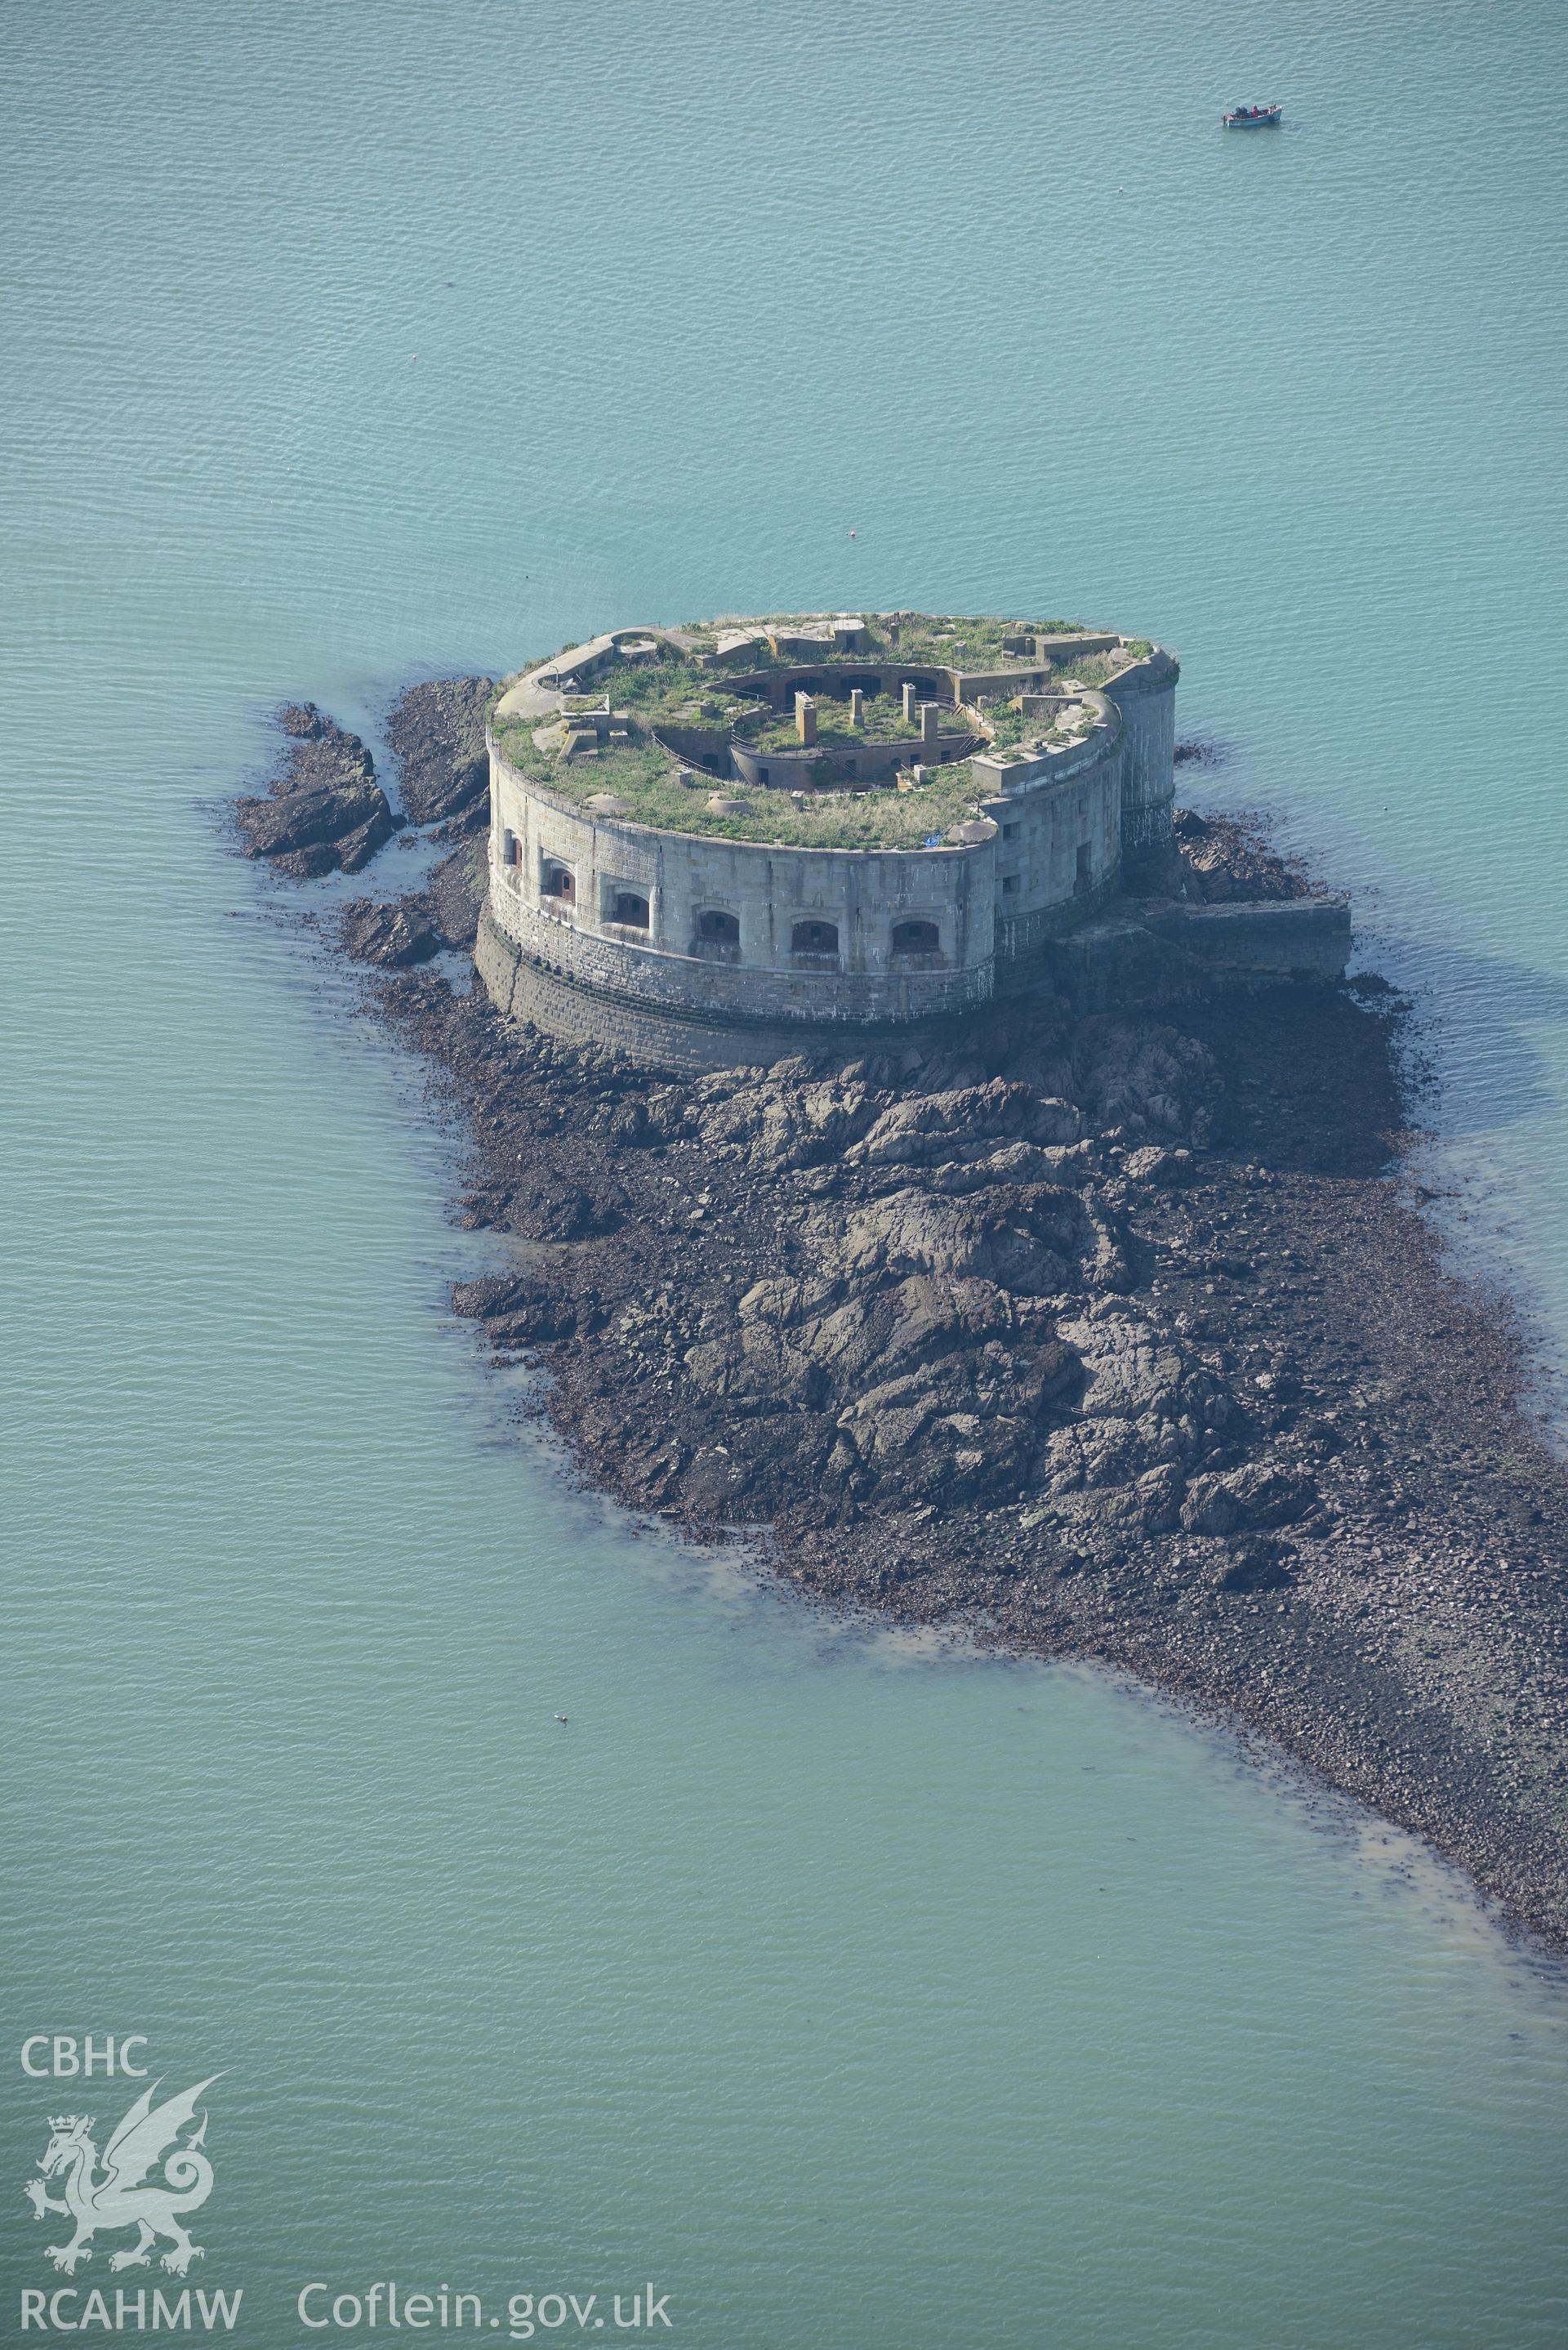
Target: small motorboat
{"type": "Point", "coordinates": [1251, 118]}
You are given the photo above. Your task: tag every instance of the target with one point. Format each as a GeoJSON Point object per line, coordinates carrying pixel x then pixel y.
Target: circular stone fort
{"type": "Point", "coordinates": [722, 844]}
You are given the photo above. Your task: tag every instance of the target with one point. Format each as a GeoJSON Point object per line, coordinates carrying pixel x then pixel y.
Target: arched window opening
{"type": "Point", "coordinates": [916, 938]}
{"type": "Point", "coordinates": [630, 910]}
{"type": "Point", "coordinates": [561, 882]}
{"type": "Point", "coordinates": [511, 849]}
{"type": "Point", "coordinates": [813, 939]}
{"type": "Point", "coordinates": [716, 936]}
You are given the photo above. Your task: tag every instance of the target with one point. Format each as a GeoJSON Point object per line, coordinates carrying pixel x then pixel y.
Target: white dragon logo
{"type": "Point", "coordinates": [124, 2197]}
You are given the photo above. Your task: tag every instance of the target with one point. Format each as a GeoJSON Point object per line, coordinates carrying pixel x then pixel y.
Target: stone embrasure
{"type": "Point", "coordinates": [829, 819]}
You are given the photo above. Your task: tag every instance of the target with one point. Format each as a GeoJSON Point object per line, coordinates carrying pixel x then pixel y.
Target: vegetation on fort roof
{"type": "Point", "coordinates": [1083, 670]}
{"type": "Point", "coordinates": [1010, 728]}
{"type": "Point", "coordinates": [884, 722]}
{"type": "Point", "coordinates": [645, 777]}
{"type": "Point", "coordinates": [679, 693]}
{"type": "Point", "coordinates": [662, 693]}
{"type": "Point", "coordinates": [963, 644]}
{"type": "Point", "coordinates": [1007, 725]}
{"type": "Point", "coordinates": [661, 687]}
{"type": "Point", "coordinates": [935, 639]}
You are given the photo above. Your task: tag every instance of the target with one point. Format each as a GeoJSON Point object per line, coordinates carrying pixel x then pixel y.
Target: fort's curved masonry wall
{"type": "Point", "coordinates": [695, 949]}
{"type": "Point", "coordinates": [1146, 697]}
{"type": "Point", "coordinates": [682, 1039]}
{"type": "Point", "coordinates": [1059, 842]}
{"type": "Point", "coordinates": [860, 896]}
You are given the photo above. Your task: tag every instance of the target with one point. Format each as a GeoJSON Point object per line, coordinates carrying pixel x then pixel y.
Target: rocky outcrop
{"type": "Point", "coordinates": [884, 1291]}
{"type": "Point", "coordinates": [437, 736]}
{"type": "Point", "coordinates": [325, 810]}
{"type": "Point", "coordinates": [1222, 860]}
{"type": "Point", "coordinates": [455, 889]}
{"type": "Point", "coordinates": [954, 1245]}
{"type": "Point", "coordinates": [1100, 1335]}
{"type": "Point", "coordinates": [393, 934]}
{"type": "Point", "coordinates": [963, 1125]}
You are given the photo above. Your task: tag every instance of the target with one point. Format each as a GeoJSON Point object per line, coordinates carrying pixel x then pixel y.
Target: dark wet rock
{"type": "Point", "coordinates": [437, 736]}
{"type": "Point", "coordinates": [307, 864]}
{"type": "Point", "coordinates": [492, 1293]}
{"type": "Point", "coordinates": [554, 1208]}
{"type": "Point", "coordinates": [1259, 1494]}
{"type": "Point", "coordinates": [310, 819]}
{"type": "Point", "coordinates": [520, 1309]}
{"type": "Point", "coordinates": [1223, 861]}
{"type": "Point", "coordinates": [1255, 1566]}
{"type": "Point", "coordinates": [357, 847]}
{"type": "Point", "coordinates": [325, 808]}
{"type": "Point", "coordinates": [303, 721]}
{"type": "Point", "coordinates": [392, 935]}
{"type": "Point", "coordinates": [454, 892]}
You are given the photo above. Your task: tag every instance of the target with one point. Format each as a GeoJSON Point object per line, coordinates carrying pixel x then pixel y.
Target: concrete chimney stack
{"type": "Point", "coordinates": [805, 718]}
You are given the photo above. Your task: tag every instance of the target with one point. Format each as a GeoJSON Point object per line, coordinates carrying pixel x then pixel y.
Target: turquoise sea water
{"type": "Point", "coordinates": [858, 1996]}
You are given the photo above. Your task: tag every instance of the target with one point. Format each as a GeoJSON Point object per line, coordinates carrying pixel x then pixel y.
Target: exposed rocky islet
{"type": "Point", "coordinates": [1114, 1336]}
{"type": "Point", "coordinates": [325, 810]}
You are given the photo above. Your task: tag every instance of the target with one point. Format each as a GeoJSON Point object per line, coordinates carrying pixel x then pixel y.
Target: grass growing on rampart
{"type": "Point", "coordinates": [644, 777]}
{"type": "Point", "coordinates": [1009, 728]}
{"type": "Point", "coordinates": [959, 643]}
